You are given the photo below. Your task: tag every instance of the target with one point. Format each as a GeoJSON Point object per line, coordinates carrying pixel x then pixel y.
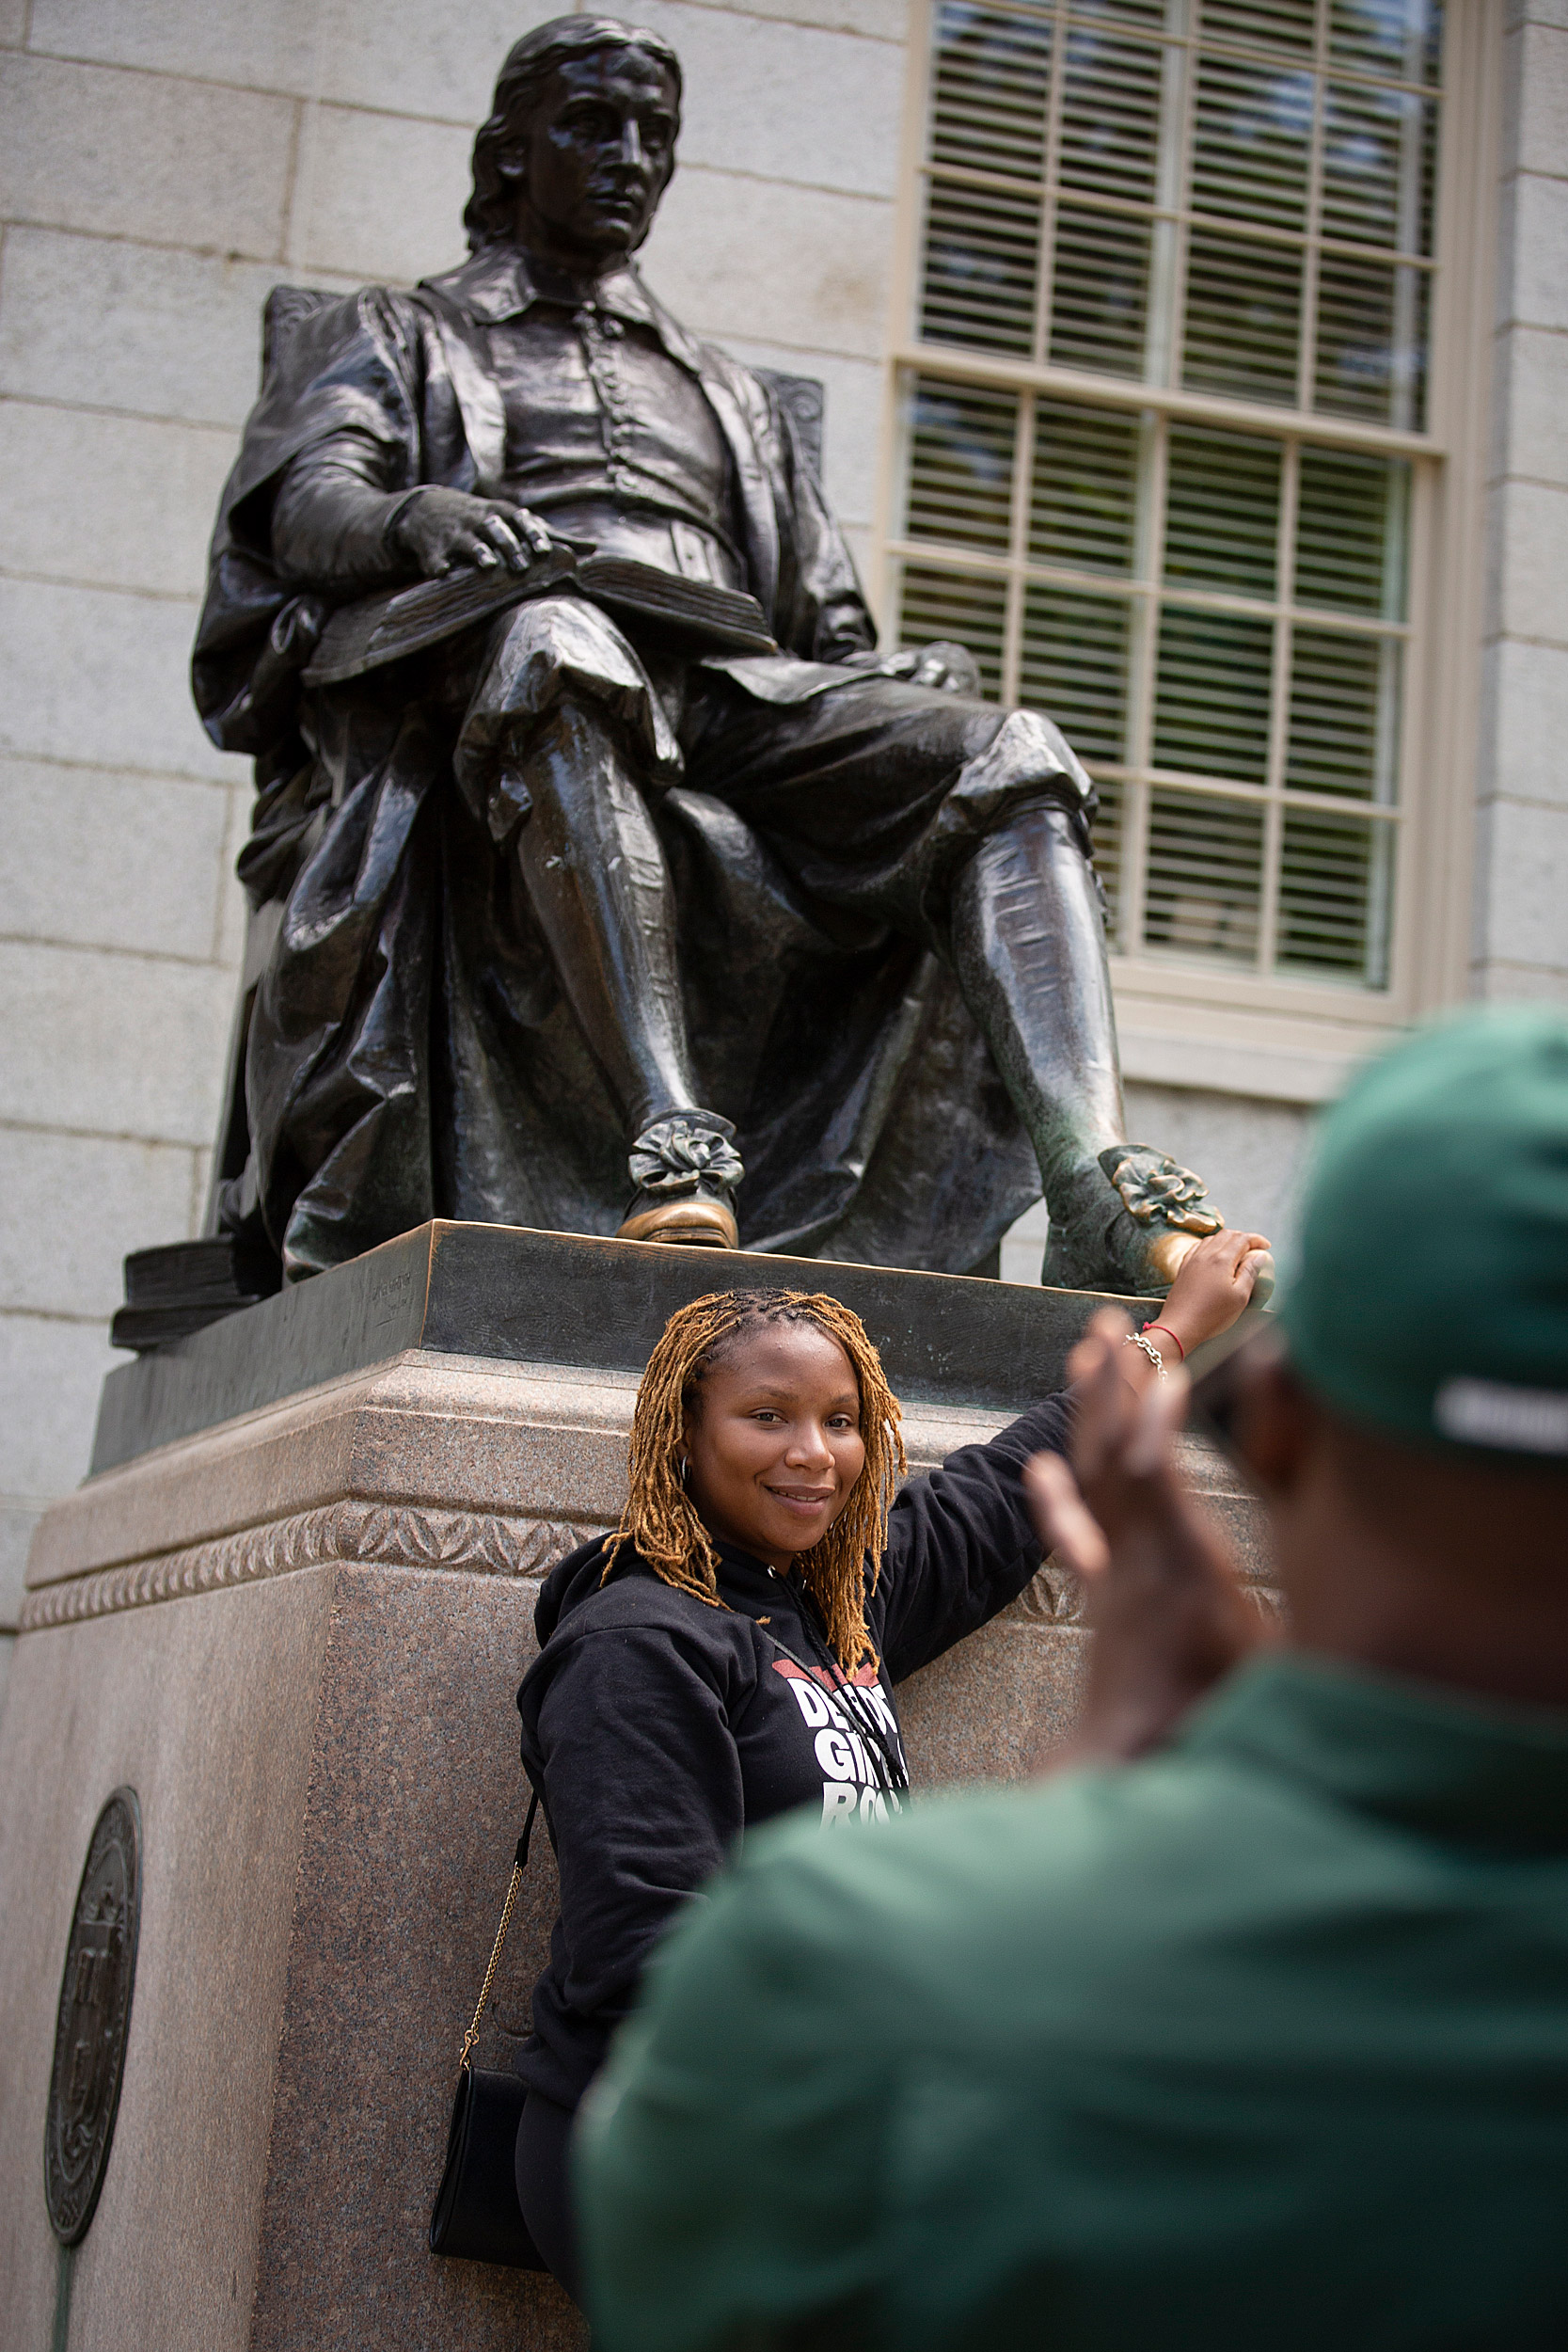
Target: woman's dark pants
{"type": "Point", "coordinates": [543, 2187]}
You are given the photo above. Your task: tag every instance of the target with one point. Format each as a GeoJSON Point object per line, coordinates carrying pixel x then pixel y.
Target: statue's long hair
{"type": "Point", "coordinates": [529, 62]}
{"type": "Point", "coordinates": [660, 1520]}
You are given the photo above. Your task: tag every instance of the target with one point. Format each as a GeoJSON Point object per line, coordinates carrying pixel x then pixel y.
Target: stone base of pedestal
{"type": "Point", "coordinates": [297, 1635]}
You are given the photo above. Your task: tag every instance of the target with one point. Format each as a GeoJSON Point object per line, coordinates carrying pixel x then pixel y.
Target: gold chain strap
{"type": "Point", "coordinates": [518, 1869]}
{"type": "Point", "coordinates": [472, 2034]}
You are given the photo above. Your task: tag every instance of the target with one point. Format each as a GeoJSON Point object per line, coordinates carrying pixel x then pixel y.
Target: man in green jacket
{"type": "Point", "coordinates": [1249, 2027]}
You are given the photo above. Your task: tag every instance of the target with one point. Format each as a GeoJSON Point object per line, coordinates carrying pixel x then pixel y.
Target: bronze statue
{"type": "Point", "coordinates": [606, 878]}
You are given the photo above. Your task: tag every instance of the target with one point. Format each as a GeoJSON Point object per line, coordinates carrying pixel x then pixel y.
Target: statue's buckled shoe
{"type": "Point", "coordinates": [1131, 1232]}
{"type": "Point", "coordinates": [686, 1171]}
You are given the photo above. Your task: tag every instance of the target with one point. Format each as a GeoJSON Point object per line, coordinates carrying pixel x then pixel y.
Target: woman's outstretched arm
{"type": "Point", "coordinates": [962, 1542]}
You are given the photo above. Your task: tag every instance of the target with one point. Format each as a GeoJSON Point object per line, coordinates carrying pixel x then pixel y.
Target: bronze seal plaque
{"type": "Point", "coordinates": [94, 2020]}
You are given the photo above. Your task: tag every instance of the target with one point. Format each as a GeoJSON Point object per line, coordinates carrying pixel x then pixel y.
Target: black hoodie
{"type": "Point", "coordinates": [658, 1728]}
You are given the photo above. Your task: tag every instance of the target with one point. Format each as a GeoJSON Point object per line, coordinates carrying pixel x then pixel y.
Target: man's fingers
{"type": "Point", "coordinates": [506, 542]}
{"type": "Point", "coordinates": [529, 529]}
{"type": "Point", "coordinates": [1160, 1415]}
{"type": "Point", "coordinates": [466, 546]}
{"type": "Point", "coordinates": [1105, 1328]}
{"type": "Point", "coordinates": [1100, 1427]}
{"type": "Point", "coordinates": [1066, 1524]}
{"type": "Point", "coordinates": [500, 533]}
{"type": "Point", "coordinates": [1095, 1369]}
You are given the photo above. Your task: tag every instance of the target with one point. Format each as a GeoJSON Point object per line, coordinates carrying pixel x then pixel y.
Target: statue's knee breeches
{"type": "Point", "coordinates": [1027, 761]}
{"type": "Point", "coordinates": [876, 795]}
{"type": "Point", "coordinates": [556, 660]}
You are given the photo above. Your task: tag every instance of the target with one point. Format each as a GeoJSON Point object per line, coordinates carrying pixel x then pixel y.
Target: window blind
{"type": "Point", "coordinates": [1198, 197]}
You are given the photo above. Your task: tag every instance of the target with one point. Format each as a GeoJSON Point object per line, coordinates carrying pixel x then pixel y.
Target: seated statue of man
{"type": "Point", "coordinates": [570, 905]}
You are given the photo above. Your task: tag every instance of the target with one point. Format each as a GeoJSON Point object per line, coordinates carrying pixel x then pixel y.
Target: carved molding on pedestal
{"type": "Point", "coordinates": [413, 1536]}
{"type": "Point", "coordinates": [1056, 1596]}
{"type": "Point", "coordinates": [348, 1534]}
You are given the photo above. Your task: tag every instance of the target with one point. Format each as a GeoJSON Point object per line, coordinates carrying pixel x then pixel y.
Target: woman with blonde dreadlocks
{"type": "Point", "coordinates": [729, 1653]}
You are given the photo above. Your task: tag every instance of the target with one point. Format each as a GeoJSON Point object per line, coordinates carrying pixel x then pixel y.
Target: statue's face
{"type": "Point", "coordinates": [597, 153]}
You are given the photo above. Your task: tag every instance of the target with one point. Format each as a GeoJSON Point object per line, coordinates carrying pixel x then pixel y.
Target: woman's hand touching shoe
{"type": "Point", "coordinates": [1215, 1281]}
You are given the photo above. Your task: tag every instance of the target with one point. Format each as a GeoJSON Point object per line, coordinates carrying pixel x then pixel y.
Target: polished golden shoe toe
{"type": "Point", "coordinates": [695, 1220]}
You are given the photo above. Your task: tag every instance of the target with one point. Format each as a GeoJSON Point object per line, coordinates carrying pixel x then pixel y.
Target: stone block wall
{"type": "Point", "coordinates": [1521, 906]}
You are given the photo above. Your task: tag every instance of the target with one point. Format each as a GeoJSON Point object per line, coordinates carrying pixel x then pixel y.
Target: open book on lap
{"type": "Point", "coordinates": [386, 628]}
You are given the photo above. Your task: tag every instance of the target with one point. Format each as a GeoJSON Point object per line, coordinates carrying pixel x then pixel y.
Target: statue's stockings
{"type": "Point", "coordinates": [594, 872]}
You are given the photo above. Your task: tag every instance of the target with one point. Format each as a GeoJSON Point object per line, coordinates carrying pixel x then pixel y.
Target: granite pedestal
{"type": "Point", "coordinates": [291, 1609]}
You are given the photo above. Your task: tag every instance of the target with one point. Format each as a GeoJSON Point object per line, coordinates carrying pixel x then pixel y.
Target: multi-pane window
{"type": "Point", "coordinates": [1163, 413]}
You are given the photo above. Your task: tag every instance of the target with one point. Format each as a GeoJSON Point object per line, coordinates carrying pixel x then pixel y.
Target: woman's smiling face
{"type": "Point", "coordinates": [773, 1440]}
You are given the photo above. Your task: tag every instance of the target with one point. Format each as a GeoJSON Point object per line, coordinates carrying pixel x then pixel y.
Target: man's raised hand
{"type": "Point", "coordinates": [443, 528]}
{"type": "Point", "coordinates": [1164, 1599]}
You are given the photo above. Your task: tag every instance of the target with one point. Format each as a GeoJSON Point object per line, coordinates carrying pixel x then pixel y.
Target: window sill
{"type": "Point", "coordinates": [1276, 1053]}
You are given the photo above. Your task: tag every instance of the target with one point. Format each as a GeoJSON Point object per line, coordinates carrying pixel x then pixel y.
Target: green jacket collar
{"type": "Point", "coordinates": [1444, 1762]}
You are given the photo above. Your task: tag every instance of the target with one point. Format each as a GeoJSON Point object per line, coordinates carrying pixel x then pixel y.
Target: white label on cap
{"type": "Point", "coordinates": [1485, 1412]}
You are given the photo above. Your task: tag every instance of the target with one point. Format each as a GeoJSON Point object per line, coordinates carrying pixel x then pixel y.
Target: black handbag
{"type": "Point", "coordinates": [476, 2216]}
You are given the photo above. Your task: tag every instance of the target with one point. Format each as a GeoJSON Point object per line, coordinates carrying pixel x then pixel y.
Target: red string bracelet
{"type": "Point", "coordinates": [1169, 1334]}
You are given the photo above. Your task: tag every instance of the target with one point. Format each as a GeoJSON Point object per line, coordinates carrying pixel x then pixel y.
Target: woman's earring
{"type": "Point", "coordinates": [685, 1469]}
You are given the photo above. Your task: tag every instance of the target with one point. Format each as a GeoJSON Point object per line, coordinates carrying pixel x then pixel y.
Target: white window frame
{"type": "Point", "coordinates": [1182, 1022]}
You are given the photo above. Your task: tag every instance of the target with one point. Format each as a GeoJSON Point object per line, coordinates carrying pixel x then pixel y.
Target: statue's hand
{"type": "Point", "coordinates": [441, 528]}
{"type": "Point", "coordinates": [950, 667]}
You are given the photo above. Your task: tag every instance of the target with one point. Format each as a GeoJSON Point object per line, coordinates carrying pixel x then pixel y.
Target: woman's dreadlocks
{"type": "Point", "coordinates": [660, 1519]}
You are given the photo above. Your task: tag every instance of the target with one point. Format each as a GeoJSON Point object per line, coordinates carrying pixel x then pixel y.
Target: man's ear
{"type": "Point", "coordinates": [511, 161]}
{"type": "Point", "coordinates": [1274, 1426]}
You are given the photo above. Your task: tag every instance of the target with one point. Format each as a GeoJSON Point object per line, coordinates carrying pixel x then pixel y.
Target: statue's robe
{"type": "Point", "coordinates": [409, 1052]}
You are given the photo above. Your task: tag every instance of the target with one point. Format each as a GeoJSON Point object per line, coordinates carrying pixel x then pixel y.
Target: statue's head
{"type": "Point", "coordinates": [580, 142]}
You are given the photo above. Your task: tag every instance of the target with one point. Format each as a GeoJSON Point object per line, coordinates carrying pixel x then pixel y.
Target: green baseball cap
{"type": "Point", "coordinates": [1428, 1292]}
